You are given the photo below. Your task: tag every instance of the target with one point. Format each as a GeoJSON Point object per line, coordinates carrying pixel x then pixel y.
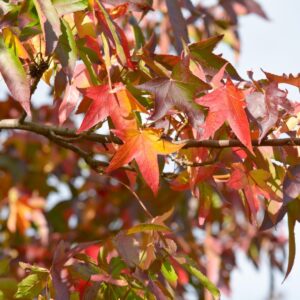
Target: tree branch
{"type": "Point", "coordinates": [48, 130]}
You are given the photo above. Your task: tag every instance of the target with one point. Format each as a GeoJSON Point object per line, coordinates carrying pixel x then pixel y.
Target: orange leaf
{"type": "Point", "coordinates": [143, 146]}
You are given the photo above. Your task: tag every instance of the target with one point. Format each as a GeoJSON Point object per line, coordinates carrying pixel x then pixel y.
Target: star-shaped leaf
{"type": "Point", "coordinates": [177, 91]}
{"type": "Point", "coordinates": [226, 104]}
{"type": "Point", "coordinates": [143, 146]}
{"type": "Point", "coordinates": [119, 106]}
{"type": "Point", "coordinates": [254, 184]}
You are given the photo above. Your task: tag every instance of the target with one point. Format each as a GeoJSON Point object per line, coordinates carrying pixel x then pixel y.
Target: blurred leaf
{"type": "Point", "coordinates": [32, 285]}
{"type": "Point", "coordinates": [192, 269]}
{"type": "Point", "coordinates": [169, 272]}
{"type": "Point", "coordinates": [292, 244]}
{"type": "Point", "coordinates": [291, 184]}
{"type": "Point", "coordinates": [128, 249]}
{"type": "Point", "coordinates": [8, 287]}
{"type": "Point", "coordinates": [147, 227]}
{"type": "Point", "coordinates": [65, 7]}
{"type": "Point", "coordinates": [32, 268]}
{"type": "Point", "coordinates": [178, 24]}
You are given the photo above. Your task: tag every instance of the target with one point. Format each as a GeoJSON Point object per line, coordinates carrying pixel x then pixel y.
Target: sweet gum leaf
{"type": "Point", "coordinates": [169, 272]}
{"type": "Point", "coordinates": [192, 269]}
{"type": "Point", "coordinates": [147, 227]}
{"type": "Point", "coordinates": [14, 76]}
{"type": "Point", "coordinates": [31, 285]}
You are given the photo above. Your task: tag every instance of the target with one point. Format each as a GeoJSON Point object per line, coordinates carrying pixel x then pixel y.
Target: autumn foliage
{"type": "Point", "coordinates": [153, 163]}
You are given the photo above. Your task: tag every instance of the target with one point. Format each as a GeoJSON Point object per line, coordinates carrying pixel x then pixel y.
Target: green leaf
{"type": "Point", "coordinates": [169, 272]}
{"type": "Point", "coordinates": [8, 286]}
{"type": "Point", "coordinates": [292, 244]}
{"type": "Point", "coordinates": [50, 23]}
{"type": "Point", "coordinates": [4, 266]}
{"type": "Point", "coordinates": [192, 269]}
{"type": "Point", "coordinates": [147, 227]}
{"type": "Point", "coordinates": [64, 7]}
{"type": "Point", "coordinates": [32, 285]}
{"type": "Point", "coordinates": [14, 76]}
{"type": "Point", "coordinates": [66, 49]}
{"type": "Point", "coordinates": [202, 52]}
{"type": "Point", "coordinates": [87, 61]}
{"type": "Point", "coordinates": [35, 269]}
{"type": "Point", "coordinates": [138, 34]}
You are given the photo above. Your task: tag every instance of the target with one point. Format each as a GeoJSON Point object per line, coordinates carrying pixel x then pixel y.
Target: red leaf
{"type": "Point", "coordinates": [227, 104]}
{"type": "Point", "coordinates": [68, 103]}
{"type": "Point", "coordinates": [105, 103]}
{"type": "Point", "coordinates": [143, 146]}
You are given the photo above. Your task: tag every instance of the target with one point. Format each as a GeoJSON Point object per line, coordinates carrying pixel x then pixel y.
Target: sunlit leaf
{"type": "Point", "coordinates": [14, 76]}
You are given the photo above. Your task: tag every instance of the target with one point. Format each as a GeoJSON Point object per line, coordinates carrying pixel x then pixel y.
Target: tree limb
{"type": "Point", "coordinates": [47, 130]}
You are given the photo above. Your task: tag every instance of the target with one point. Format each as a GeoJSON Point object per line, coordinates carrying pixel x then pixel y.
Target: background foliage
{"type": "Point", "coordinates": [155, 205]}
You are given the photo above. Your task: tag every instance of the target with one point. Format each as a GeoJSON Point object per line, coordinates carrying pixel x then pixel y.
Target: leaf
{"type": "Point", "coordinates": [178, 24]}
{"type": "Point", "coordinates": [253, 182]}
{"type": "Point", "coordinates": [251, 6]}
{"type": "Point", "coordinates": [50, 23]}
{"type": "Point", "coordinates": [136, 5]}
{"type": "Point", "coordinates": [138, 33]}
{"type": "Point", "coordinates": [156, 290]}
{"type": "Point", "coordinates": [147, 227]}
{"type": "Point", "coordinates": [226, 104]}
{"type": "Point", "coordinates": [118, 37]}
{"type": "Point", "coordinates": [292, 244]}
{"type": "Point", "coordinates": [288, 79]}
{"type": "Point", "coordinates": [14, 76]}
{"type": "Point", "coordinates": [127, 248]}
{"type": "Point", "coordinates": [177, 91]}
{"type": "Point", "coordinates": [12, 41]}
{"type": "Point", "coordinates": [69, 102]}
{"type": "Point", "coordinates": [143, 146]}
{"type": "Point", "coordinates": [202, 52]}
{"type": "Point", "coordinates": [32, 268]}
{"type": "Point", "coordinates": [108, 279]}
{"type": "Point", "coordinates": [32, 285]}
{"type": "Point", "coordinates": [265, 108]}
{"type": "Point", "coordinates": [119, 107]}
{"type": "Point", "coordinates": [291, 184]}
{"type": "Point", "coordinates": [66, 49]}
{"type": "Point", "coordinates": [169, 272]}
{"type": "Point", "coordinates": [192, 269]}
{"type": "Point", "coordinates": [8, 286]}
{"type": "Point", "coordinates": [65, 7]}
